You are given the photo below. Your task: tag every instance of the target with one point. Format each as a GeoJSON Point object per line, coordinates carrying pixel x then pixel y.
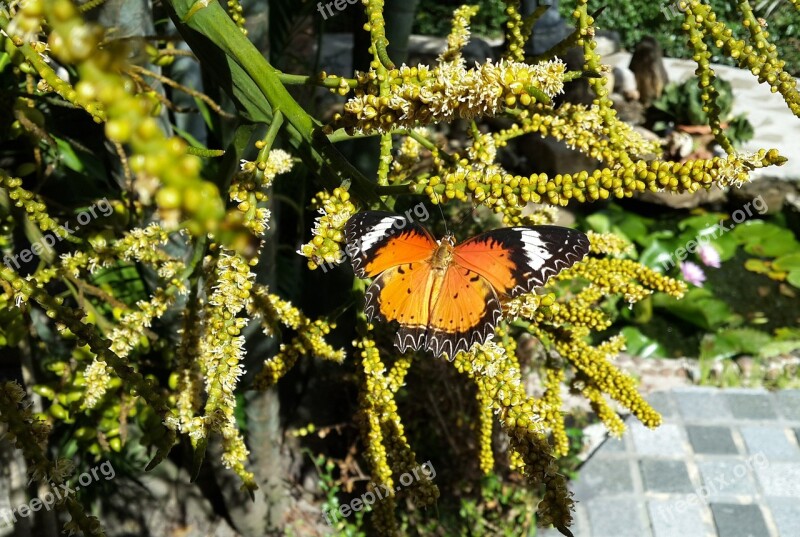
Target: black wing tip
{"type": "Point", "coordinates": [575, 247]}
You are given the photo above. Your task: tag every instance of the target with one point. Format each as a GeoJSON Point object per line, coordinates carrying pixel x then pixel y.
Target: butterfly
{"type": "Point", "coordinates": [447, 296]}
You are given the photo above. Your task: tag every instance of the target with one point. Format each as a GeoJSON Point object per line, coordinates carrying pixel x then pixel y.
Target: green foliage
{"type": "Point", "coordinates": [502, 510]}
{"type": "Point", "coordinates": [682, 104]}
{"type": "Point", "coordinates": [639, 18]}
{"type": "Point", "coordinates": [331, 489]}
{"type": "Point", "coordinates": [732, 342]}
{"type": "Point", "coordinates": [135, 329]}
{"type": "Point", "coordinates": [434, 17]}
{"type": "Point", "coordinates": [759, 258]}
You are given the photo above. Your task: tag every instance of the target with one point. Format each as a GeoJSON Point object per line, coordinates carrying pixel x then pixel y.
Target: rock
{"type": "Point", "coordinates": [647, 64]}
{"type": "Point", "coordinates": [627, 110]}
{"type": "Point", "coordinates": [549, 29]}
{"type": "Point", "coordinates": [745, 365]}
{"type": "Point", "coordinates": [425, 49]}
{"type": "Point", "coordinates": [479, 50]}
{"type": "Point", "coordinates": [575, 91]}
{"type": "Point", "coordinates": [773, 192]}
{"type": "Point", "coordinates": [607, 42]}
{"type": "Point", "coordinates": [625, 83]}
{"type": "Point", "coordinates": [648, 136]}
{"type": "Point", "coordinates": [792, 212]}
{"type": "Point", "coordinates": [550, 156]}
{"type": "Point", "coordinates": [678, 145]}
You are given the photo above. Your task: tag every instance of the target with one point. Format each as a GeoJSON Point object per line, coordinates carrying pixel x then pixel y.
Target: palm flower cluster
{"type": "Point", "coordinates": [327, 246]}
{"type": "Point", "coordinates": [421, 95]}
{"type": "Point", "coordinates": [192, 246]}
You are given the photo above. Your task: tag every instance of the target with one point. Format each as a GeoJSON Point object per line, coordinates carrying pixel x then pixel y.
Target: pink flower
{"type": "Point", "coordinates": [692, 273]}
{"type": "Point", "coordinates": [709, 256]}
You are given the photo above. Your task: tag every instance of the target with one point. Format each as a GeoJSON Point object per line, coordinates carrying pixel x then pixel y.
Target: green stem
{"type": "Point", "coordinates": [219, 33]}
{"type": "Point", "coordinates": [340, 135]}
{"type": "Point", "coordinates": [385, 160]}
{"type": "Point", "coordinates": [205, 153]}
{"type": "Point", "coordinates": [269, 139]}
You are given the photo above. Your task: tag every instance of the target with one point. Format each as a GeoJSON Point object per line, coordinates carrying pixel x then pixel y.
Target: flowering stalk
{"type": "Point", "coordinates": [221, 353]}
{"type": "Point", "coordinates": [71, 319]}
{"type": "Point", "coordinates": [30, 436]}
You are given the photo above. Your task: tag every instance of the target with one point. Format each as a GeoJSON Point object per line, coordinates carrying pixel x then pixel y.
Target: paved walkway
{"type": "Point", "coordinates": [774, 125]}
{"type": "Point", "coordinates": [724, 463]}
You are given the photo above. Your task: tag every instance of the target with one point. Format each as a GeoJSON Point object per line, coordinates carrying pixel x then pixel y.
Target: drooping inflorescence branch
{"type": "Point", "coordinates": [30, 435]}
{"type": "Point", "coordinates": [759, 56]}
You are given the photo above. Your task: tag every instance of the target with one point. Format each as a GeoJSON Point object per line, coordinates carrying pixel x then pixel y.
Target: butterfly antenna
{"type": "Point", "coordinates": [444, 220]}
{"type": "Point", "coordinates": [472, 211]}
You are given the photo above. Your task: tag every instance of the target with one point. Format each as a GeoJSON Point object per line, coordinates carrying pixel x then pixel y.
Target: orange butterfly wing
{"type": "Point", "coordinates": [465, 311]}
{"type": "Point", "coordinates": [403, 294]}
{"type": "Point", "coordinates": [377, 241]}
{"type": "Point", "coordinates": [396, 252]}
{"type": "Point", "coordinates": [448, 310]}
{"type": "Point", "coordinates": [519, 259]}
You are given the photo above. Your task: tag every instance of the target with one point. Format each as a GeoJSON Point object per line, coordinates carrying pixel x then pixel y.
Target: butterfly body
{"type": "Point", "coordinates": [447, 296]}
{"type": "Point", "coordinates": [443, 255]}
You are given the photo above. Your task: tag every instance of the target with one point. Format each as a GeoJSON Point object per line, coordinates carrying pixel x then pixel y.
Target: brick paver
{"type": "Point", "coordinates": [725, 463]}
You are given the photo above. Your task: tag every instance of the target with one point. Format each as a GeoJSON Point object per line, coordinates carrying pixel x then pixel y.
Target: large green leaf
{"type": "Point", "coordinates": [794, 278]}
{"type": "Point", "coordinates": [725, 246]}
{"type": "Point", "coordinates": [754, 231]}
{"type": "Point", "coordinates": [639, 344]}
{"type": "Point", "coordinates": [788, 262]}
{"type": "Point", "coordinates": [701, 222]}
{"type": "Point", "coordinates": [776, 348]}
{"type": "Point", "coordinates": [659, 255]}
{"type": "Point", "coordinates": [599, 222]}
{"type": "Point", "coordinates": [634, 229]}
{"type": "Point", "coordinates": [733, 342]}
{"type": "Point", "coordinates": [777, 244]}
{"type": "Point", "coordinates": [698, 307]}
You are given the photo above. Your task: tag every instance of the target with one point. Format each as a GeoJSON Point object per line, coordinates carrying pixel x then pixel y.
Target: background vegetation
{"type": "Point", "coordinates": [634, 20]}
{"type": "Point", "coordinates": [125, 341]}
